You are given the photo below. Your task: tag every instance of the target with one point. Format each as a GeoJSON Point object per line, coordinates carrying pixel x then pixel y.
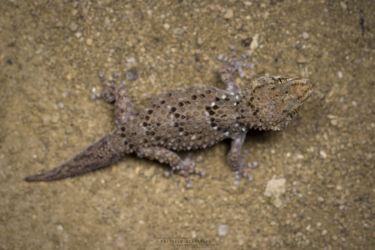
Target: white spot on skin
{"type": "Point", "coordinates": [212, 104]}
{"type": "Point", "coordinates": [243, 129]}
{"type": "Point", "coordinates": [226, 133]}
{"type": "Point", "coordinates": [223, 96]}
{"type": "Point", "coordinates": [193, 137]}
{"type": "Point", "coordinates": [237, 97]}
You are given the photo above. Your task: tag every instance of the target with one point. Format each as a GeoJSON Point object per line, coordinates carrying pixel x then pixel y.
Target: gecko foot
{"type": "Point", "coordinates": [235, 64]}
{"type": "Point", "coordinates": [231, 67]}
{"type": "Point", "coordinates": [186, 168]}
{"type": "Point", "coordinates": [244, 172]}
{"type": "Point", "coordinates": [110, 87]}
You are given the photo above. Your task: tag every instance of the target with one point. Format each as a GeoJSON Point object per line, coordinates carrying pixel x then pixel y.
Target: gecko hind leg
{"type": "Point", "coordinates": [117, 94]}
{"type": "Point", "coordinates": [184, 167]}
{"type": "Point", "coordinates": [230, 68]}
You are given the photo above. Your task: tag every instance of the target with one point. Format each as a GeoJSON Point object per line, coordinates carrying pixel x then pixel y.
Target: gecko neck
{"type": "Point", "coordinates": [249, 113]}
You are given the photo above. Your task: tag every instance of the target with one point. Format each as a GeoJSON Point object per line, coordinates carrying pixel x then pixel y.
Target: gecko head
{"type": "Point", "coordinates": [276, 100]}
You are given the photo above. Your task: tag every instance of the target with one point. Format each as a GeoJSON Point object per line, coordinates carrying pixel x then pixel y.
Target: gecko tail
{"type": "Point", "coordinates": [98, 155]}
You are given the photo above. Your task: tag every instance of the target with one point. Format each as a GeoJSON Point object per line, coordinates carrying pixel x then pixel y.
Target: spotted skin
{"type": "Point", "coordinates": [188, 119]}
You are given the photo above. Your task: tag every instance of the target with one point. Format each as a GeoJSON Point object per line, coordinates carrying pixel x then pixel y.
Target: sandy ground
{"type": "Point", "coordinates": [50, 56]}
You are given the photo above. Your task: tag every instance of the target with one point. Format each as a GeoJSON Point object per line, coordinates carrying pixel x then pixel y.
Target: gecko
{"type": "Point", "coordinates": [188, 119]}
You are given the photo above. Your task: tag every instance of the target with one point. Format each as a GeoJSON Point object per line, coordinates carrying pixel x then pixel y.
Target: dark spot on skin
{"type": "Point", "coordinates": [123, 129]}
{"type": "Point", "coordinates": [145, 141]}
{"type": "Point", "coordinates": [186, 133]}
{"type": "Point", "coordinates": [173, 109]}
{"type": "Point", "coordinates": [149, 111]}
{"type": "Point", "coordinates": [169, 94]}
{"type": "Point", "coordinates": [157, 138]}
{"type": "Point", "coordinates": [215, 107]}
{"type": "Point", "coordinates": [147, 118]}
{"type": "Point", "coordinates": [242, 110]}
{"type": "Point", "coordinates": [187, 102]}
{"type": "Point", "coordinates": [125, 142]}
{"type": "Point", "coordinates": [227, 98]}
{"type": "Point", "coordinates": [175, 124]}
{"type": "Point", "coordinates": [194, 97]}
{"type": "Point", "coordinates": [144, 124]}
{"type": "Point", "coordinates": [180, 104]}
{"type": "Point", "coordinates": [152, 133]}
{"type": "Point", "coordinates": [211, 112]}
{"type": "Point", "coordinates": [203, 95]}
{"type": "Point", "coordinates": [123, 135]}
{"type": "Point", "coordinates": [177, 115]}
{"type": "Point", "coordinates": [180, 129]}
{"type": "Point", "coordinates": [255, 112]}
{"type": "Point", "coordinates": [213, 124]}
{"type": "Point", "coordinates": [208, 91]}
{"type": "Point", "coordinates": [208, 108]}
{"type": "Point", "coordinates": [212, 119]}
{"type": "Point", "coordinates": [162, 101]}
{"type": "Point", "coordinates": [158, 124]}
{"type": "Point", "coordinates": [217, 99]}
{"type": "Point", "coordinates": [183, 117]}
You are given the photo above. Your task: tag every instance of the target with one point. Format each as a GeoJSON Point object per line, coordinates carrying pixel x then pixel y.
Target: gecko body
{"type": "Point", "coordinates": [189, 119]}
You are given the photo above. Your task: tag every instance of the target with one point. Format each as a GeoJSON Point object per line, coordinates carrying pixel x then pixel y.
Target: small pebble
{"type": "Point", "coordinates": [229, 14]}
{"type": "Point", "coordinates": [323, 154]}
{"type": "Point", "coordinates": [254, 43]}
{"type": "Point", "coordinates": [132, 74]}
{"type": "Point", "coordinates": [222, 230]}
{"type": "Point", "coordinates": [275, 189]}
{"type": "Point", "coordinates": [305, 35]}
{"type": "Point", "coordinates": [73, 26]}
{"type": "Point", "coordinates": [343, 5]}
{"type": "Point", "coordinates": [89, 41]}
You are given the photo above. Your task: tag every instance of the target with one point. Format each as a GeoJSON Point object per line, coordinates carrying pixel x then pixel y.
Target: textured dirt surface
{"type": "Point", "coordinates": [314, 188]}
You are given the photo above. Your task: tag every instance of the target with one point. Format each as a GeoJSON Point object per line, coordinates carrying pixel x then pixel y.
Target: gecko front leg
{"type": "Point", "coordinates": [235, 158]}
{"type": "Point", "coordinates": [231, 67]}
{"type": "Point", "coordinates": [117, 94]}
